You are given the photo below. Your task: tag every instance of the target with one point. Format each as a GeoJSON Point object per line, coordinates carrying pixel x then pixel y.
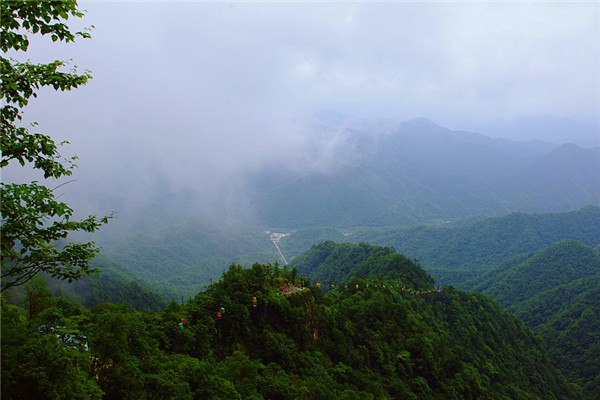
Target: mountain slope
{"type": "Point", "coordinates": [376, 341]}
{"type": "Point", "coordinates": [422, 172]}
{"type": "Point", "coordinates": [518, 280]}
{"type": "Point", "coordinates": [359, 264]}
{"type": "Point", "coordinates": [242, 339]}
{"type": "Point", "coordinates": [347, 198]}
{"type": "Point", "coordinates": [333, 263]}
{"type": "Point", "coordinates": [571, 334]}
{"type": "Point", "coordinates": [482, 244]}
{"type": "Point", "coordinates": [564, 179]}
{"type": "Point", "coordinates": [183, 258]}
{"type": "Point", "coordinates": [556, 291]}
{"type": "Point", "coordinates": [547, 128]}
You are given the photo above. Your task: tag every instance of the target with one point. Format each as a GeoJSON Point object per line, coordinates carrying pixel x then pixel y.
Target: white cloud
{"type": "Point", "coordinates": [202, 91]}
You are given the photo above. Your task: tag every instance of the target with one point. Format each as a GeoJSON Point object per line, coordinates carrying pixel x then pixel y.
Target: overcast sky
{"type": "Point", "coordinates": [194, 89]}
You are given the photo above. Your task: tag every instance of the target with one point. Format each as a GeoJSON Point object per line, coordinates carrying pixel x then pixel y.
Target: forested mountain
{"type": "Point", "coordinates": [183, 258]}
{"type": "Point", "coordinates": [376, 183]}
{"type": "Point", "coordinates": [255, 334]}
{"type": "Point", "coordinates": [529, 275]}
{"type": "Point", "coordinates": [556, 291]}
{"type": "Point", "coordinates": [571, 334]}
{"type": "Point", "coordinates": [113, 284]}
{"type": "Point", "coordinates": [109, 284]}
{"type": "Point", "coordinates": [420, 172]}
{"type": "Point", "coordinates": [216, 173]}
{"type": "Point", "coordinates": [562, 180]}
{"type": "Point", "coordinates": [333, 263]}
{"type": "Point", "coordinates": [455, 252]}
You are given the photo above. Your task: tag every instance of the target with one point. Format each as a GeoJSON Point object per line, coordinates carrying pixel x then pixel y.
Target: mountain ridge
{"type": "Point", "coordinates": [555, 291]}
{"type": "Point", "coordinates": [430, 172]}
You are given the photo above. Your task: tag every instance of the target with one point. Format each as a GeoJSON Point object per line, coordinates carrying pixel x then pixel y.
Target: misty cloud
{"type": "Point", "coordinates": [196, 96]}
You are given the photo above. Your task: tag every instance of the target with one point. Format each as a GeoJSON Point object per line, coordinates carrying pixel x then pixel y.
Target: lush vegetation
{"type": "Point", "coordinates": [373, 336]}
{"type": "Point", "coordinates": [526, 276]}
{"type": "Point", "coordinates": [185, 258]}
{"type": "Point", "coordinates": [556, 291]}
{"type": "Point", "coordinates": [333, 263]}
{"type": "Point", "coordinates": [111, 285]}
{"type": "Point", "coordinates": [372, 324]}
{"type": "Point", "coordinates": [33, 218]}
{"type": "Point", "coordinates": [454, 253]}
{"type": "Point", "coordinates": [571, 334]}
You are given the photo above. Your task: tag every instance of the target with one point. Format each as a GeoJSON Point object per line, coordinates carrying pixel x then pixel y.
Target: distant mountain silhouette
{"type": "Point", "coordinates": [544, 128]}
{"type": "Point", "coordinates": [567, 177]}
{"type": "Point", "coordinates": [424, 172]}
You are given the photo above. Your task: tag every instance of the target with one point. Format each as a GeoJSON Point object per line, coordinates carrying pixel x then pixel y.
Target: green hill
{"type": "Point", "coordinates": [562, 180]}
{"type": "Point", "coordinates": [556, 291]}
{"type": "Point", "coordinates": [455, 252]}
{"type": "Point", "coordinates": [571, 334]}
{"type": "Point", "coordinates": [334, 263]}
{"type": "Point", "coordinates": [110, 284]}
{"type": "Point", "coordinates": [113, 285]}
{"type": "Point", "coordinates": [524, 277]}
{"type": "Point", "coordinates": [243, 339]}
{"type": "Point", "coordinates": [180, 259]}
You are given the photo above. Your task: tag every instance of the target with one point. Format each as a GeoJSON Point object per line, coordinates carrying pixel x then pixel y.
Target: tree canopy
{"type": "Point", "coordinates": [243, 338]}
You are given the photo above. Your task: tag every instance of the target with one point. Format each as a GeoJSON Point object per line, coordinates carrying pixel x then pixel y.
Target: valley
{"type": "Point", "coordinates": [513, 291]}
{"type": "Point", "coordinates": [495, 256]}
{"type": "Point", "coordinates": [520, 223]}
{"type": "Point", "coordinates": [298, 200]}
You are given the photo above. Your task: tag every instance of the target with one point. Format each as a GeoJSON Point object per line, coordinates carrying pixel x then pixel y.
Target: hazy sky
{"type": "Point", "coordinates": [198, 90]}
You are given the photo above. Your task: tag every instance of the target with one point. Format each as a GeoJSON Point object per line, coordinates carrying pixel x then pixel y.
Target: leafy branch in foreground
{"type": "Point", "coordinates": [34, 223]}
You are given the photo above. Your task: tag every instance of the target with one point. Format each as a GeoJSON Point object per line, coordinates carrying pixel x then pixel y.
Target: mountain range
{"type": "Point", "coordinates": [555, 291]}
{"type": "Point", "coordinates": [544, 128]}
{"type": "Point", "coordinates": [519, 222]}
{"type": "Point", "coordinates": [267, 332]}
{"type": "Point", "coordinates": [455, 252]}
{"type": "Point", "coordinates": [182, 258]}
{"type": "Point", "coordinates": [422, 172]}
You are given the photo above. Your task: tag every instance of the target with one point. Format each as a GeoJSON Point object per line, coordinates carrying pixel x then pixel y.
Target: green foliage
{"type": "Point", "coordinates": [454, 252]}
{"type": "Point", "coordinates": [180, 260]}
{"type": "Point", "coordinates": [37, 366]}
{"type": "Point", "coordinates": [350, 343]}
{"type": "Point", "coordinates": [574, 343]}
{"type": "Point", "coordinates": [520, 279]}
{"type": "Point", "coordinates": [37, 17]}
{"type": "Point", "coordinates": [556, 291]}
{"type": "Point", "coordinates": [33, 220]}
{"type": "Point", "coordinates": [114, 285]}
{"type": "Point", "coordinates": [334, 263]}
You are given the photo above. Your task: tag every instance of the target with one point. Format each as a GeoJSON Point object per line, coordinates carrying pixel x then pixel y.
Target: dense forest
{"type": "Point", "coordinates": [272, 332]}
{"type": "Point", "coordinates": [555, 291]}
{"type": "Point", "coordinates": [182, 258]}
{"type": "Point", "coordinates": [148, 310]}
{"type": "Point", "coordinates": [456, 252]}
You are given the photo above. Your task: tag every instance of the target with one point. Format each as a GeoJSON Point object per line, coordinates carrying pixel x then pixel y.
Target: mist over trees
{"type": "Point", "coordinates": [299, 136]}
